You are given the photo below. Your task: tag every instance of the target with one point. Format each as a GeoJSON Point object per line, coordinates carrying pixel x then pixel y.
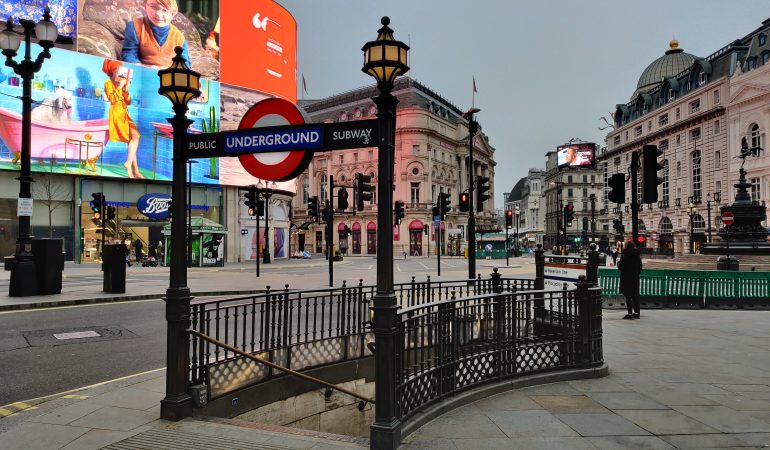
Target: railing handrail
{"type": "Point", "coordinates": [278, 367]}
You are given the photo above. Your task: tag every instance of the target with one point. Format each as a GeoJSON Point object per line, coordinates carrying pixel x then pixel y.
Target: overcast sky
{"type": "Point", "coordinates": [545, 70]}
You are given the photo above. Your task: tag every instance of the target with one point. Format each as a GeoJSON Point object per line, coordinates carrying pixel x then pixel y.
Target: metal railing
{"type": "Point", "coordinates": [447, 347]}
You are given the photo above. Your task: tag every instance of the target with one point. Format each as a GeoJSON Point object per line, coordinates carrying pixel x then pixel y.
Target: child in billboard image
{"type": "Point", "coordinates": [122, 127]}
{"type": "Point", "coordinates": [150, 40]}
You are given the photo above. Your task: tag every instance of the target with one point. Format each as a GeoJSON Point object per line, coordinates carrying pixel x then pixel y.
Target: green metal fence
{"type": "Point", "coordinates": [672, 288]}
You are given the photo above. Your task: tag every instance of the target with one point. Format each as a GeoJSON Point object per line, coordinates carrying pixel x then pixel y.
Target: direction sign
{"type": "Point", "coordinates": [728, 218]}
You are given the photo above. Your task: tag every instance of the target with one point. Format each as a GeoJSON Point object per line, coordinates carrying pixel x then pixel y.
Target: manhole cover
{"type": "Point", "coordinates": [68, 336]}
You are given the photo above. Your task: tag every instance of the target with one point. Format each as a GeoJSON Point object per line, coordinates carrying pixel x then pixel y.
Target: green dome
{"type": "Point", "coordinates": [674, 61]}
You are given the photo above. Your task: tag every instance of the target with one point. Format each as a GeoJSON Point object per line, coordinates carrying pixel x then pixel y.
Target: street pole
{"type": "Point", "coordinates": [103, 216]}
{"type": "Point", "coordinates": [634, 197]}
{"type": "Point", "coordinates": [507, 262]}
{"type": "Point", "coordinates": [593, 219]}
{"type": "Point", "coordinates": [266, 250]}
{"type": "Point", "coordinates": [23, 270]}
{"type": "Point", "coordinates": [472, 128]}
{"type": "Point", "coordinates": [708, 212]}
{"type": "Point", "coordinates": [189, 211]}
{"type": "Point", "coordinates": [180, 85]}
{"type": "Point", "coordinates": [257, 258]}
{"type": "Point", "coordinates": [330, 230]}
{"type": "Point", "coordinates": [517, 247]}
{"type": "Point", "coordinates": [438, 243]}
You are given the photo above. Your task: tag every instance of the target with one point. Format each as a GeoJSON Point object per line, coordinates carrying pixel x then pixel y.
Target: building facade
{"type": "Point", "coordinates": [432, 144]}
{"type": "Point", "coordinates": [527, 195]}
{"type": "Point", "coordinates": [696, 110]}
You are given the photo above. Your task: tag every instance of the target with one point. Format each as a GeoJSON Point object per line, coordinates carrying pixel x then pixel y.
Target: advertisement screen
{"type": "Point", "coordinates": [263, 33]}
{"type": "Point", "coordinates": [146, 31]}
{"type": "Point", "coordinates": [63, 13]}
{"type": "Point", "coordinates": [100, 117]}
{"type": "Point", "coordinates": [575, 155]}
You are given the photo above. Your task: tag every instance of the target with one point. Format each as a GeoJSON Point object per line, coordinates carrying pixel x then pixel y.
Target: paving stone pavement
{"type": "Point", "coordinates": [678, 379]}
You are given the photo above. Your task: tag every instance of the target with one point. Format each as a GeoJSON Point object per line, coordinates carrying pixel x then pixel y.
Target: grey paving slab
{"type": "Point", "coordinates": [551, 389]}
{"type": "Point", "coordinates": [745, 387]}
{"type": "Point", "coordinates": [756, 439]}
{"type": "Point", "coordinates": [96, 439]}
{"type": "Point", "coordinates": [67, 414]}
{"type": "Point", "coordinates": [567, 404]}
{"type": "Point", "coordinates": [508, 401]}
{"type": "Point", "coordinates": [598, 385]}
{"type": "Point", "coordinates": [704, 440]}
{"type": "Point", "coordinates": [740, 402]}
{"type": "Point", "coordinates": [626, 400]}
{"type": "Point", "coordinates": [430, 444]}
{"type": "Point", "coordinates": [629, 442]}
{"type": "Point", "coordinates": [156, 385]}
{"type": "Point", "coordinates": [460, 426]}
{"type": "Point", "coordinates": [520, 424]}
{"type": "Point", "coordinates": [725, 419]}
{"type": "Point", "coordinates": [116, 419]}
{"type": "Point", "coordinates": [39, 436]}
{"type": "Point", "coordinates": [129, 397]}
{"type": "Point", "coordinates": [533, 443]}
{"type": "Point", "coordinates": [601, 425]}
{"type": "Point", "coordinates": [665, 422]}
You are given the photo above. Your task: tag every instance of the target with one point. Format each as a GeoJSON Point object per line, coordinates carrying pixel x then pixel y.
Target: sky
{"type": "Point", "coordinates": [545, 70]}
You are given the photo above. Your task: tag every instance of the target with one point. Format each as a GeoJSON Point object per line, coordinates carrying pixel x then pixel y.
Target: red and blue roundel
{"type": "Point", "coordinates": [278, 166]}
{"type": "Point", "coordinates": [154, 206]}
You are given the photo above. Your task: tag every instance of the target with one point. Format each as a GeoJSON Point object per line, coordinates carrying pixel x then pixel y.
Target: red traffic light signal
{"type": "Point", "coordinates": [641, 239]}
{"type": "Point", "coordinates": [509, 218]}
{"type": "Point", "coordinates": [464, 202]}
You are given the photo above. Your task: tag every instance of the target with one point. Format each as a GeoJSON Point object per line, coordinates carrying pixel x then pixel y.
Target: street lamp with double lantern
{"type": "Point", "coordinates": [179, 84]}
{"type": "Point", "coordinates": [23, 271]}
{"type": "Point", "coordinates": [692, 211]}
{"type": "Point", "coordinates": [385, 59]}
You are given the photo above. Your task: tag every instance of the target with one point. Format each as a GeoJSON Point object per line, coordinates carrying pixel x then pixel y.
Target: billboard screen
{"type": "Point", "coordinates": [263, 33]}
{"type": "Point", "coordinates": [146, 31]}
{"type": "Point", "coordinates": [576, 155]}
{"type": "Point", "coordinates": [63, 13]}
{"type": "Point", "coordinates": [100, 117]}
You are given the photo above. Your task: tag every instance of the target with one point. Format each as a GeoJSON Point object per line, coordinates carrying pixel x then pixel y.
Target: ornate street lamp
{"type": "Point", "coordinates": [266, 193]}
{"type": "Point", "coordinates": [180, 85]}
{"type": "Point", "coordinates": [516, 214]}
{"type": "Point", "coordinates": [385, 59]}
{"type": "Point", "coordinates": [692, 210]}
{"type": "Point", "coordinates": [23, 271]}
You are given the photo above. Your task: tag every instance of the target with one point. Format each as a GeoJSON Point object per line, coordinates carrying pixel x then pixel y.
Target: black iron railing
{"type": "Point", "coordinates": [449, 346]}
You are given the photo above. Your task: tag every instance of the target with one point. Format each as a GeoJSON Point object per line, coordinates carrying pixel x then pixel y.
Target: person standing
{"type": "Point", "coordinates": [630, 266]}
{"type": "Point", "coordinates": [138, 250]}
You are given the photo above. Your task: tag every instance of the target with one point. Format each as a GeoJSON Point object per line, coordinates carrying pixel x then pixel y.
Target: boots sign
{"type": "Point", "coordinates": [274, 143]}
{"type": "Point", "coordinates": [154, 206]}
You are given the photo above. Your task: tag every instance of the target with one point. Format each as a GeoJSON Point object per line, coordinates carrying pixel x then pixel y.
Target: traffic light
{"type": "Point", "coordinates": [482, 187]}
{"type": "Point", "coordinates": [251, 200]}
{"type": "Point", "coordinates": [325, 212]}
{"type": "Point", "coordinates": [509, 218]}
{"type": "Point", "coordinates": [650, 169]}
{"type": "Point", "coordinates": [312, 209]}
{"type": "Point", "coordinates": [577, 239]}
{"type": "Point", "coordinates": [443, 204]}
{"type": "Point", "coordinates": [364, 190]}
{"type": "Point", "coordinates": [342, 199]}
{"type": "Point", "coordinates": [97, 205]}
{"type": "Point", "coordinates": [617, 185]}
{"type": "Point", "coordinates": [465, 202]}
{"type": "Point", "coordinates": [425, 229]}
{"type": "Point", "coordinates": [436, 212]}
{"type": "Point", "coordinates": [345, 232]}
{"type": "Point", "coordinates": [260, 207]}
{"type": "Point", "coordinates": [111, 212]}
{"type": "Point", "coordinates": [398, 212]}
{"type": "Point", "coordinates": [569, 214]}
{"type": "Point", "coordinates": [617, 225]}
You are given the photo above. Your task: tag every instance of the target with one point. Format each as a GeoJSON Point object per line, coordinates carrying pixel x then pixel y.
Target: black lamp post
{"type": "Point", "coordinates": [517, 215]}
{"type": "Point", "coordinates": [692, 210]}
{"type": "Point", "coordinates": [23, 271]}
{"type": "Point", "coordinates": [266, 193]}
{"type": "Point", "coordinates": [473, 127]}
{"type": "Point", "coordinates": [180, 85]}
{"type": "Point", "coordinates": [385, 59]}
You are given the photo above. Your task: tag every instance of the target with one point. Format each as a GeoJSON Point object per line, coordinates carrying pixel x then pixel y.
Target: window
{"type": "Point", "coordinates": [696, 175]}
{"type": "Point", "coordinates": [751, 63]}
{"type": "Point", "coordinates": [663, 146]}
{"type": "Point", "coordinates": [694, 106]}
{"type": "Point", "coordinates": [415, 149]}
{"type": "Point", "coordinates": [665, 185]}
{"type": "Point", "coordinates": [716, 97]}
{"type": "Point", "coordinates": [765, 57]}
{"type": "Point", "coordinates": [569, 193]}
{"type": "Point", "coordinates": [415, 193]}
{"type": "Point", "coordinates": [701, 78]}
{"type": "Point", "coordinates": [616, 140]}
{"type": "Point", "coordinates": [663, 120]}
{"type": "Point", "coordinates": [415, 171]}
{"type": "Point", "coordinates": [593, 178]}
{"type": "Point", "coordinates": [585, 206]}
{"type": "Point", "coordinates": [371, 155]}
{"type": "Point", "coordinates": [755, 137]}
{"type": "Point", "coordinates": [649, 125]}
{"type": "Point", "coordinates": [695, 134]}
{"type": "Point", "coordinates": [322, 191]}
{"type": "Point", "coordinates": [585, 178]}
{"type": "Point", "coordinates": [718, 187]}
{"type": "Point", "coordinates": [626, 135]}
{"type": "Point", "coordinates": [676, 114]}
{"type": "Point", "coordinates": [671, 95]}
{"type": "Point", "coordinates": [678, 139]}
{"type": "Point", "coordinates": [755, 189]}
{"type": "Point", "coordinates": [569, 178]}
{"type": "Point", "coordinates": [717, 126]}
{"type": "Point", "coordinates": [638, 131]}
{"type": "Point", "coordinates": [342, 159]}
{"type": "Point", "coordinates": [305, 191]}
{"type": "Point", "coordinates": [717, 159]}
{"type": "Point", "coordinates": [355, 157]}
{"type": "Point", "coordinates": [585, 223]}
{"type": "Point", "coordinates": [678, 169]}
{"type": "Point", "coordinates": [762, 39]}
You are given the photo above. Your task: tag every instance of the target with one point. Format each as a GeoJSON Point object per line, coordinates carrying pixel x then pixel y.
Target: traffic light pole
{"type": "Point", "coordinates": [257, 258]}
{"type": "Point", "coordinates": [329, 230]}
{"type": "Point", "coordinates": [438, 242]}
{"type": "Point", "coordinates": [507, 262]}
{"type": "Point", "coordinates": [471, 207]}
{"type": "Point", "coordinates": [564, 233]}
{"type": "Point", "coordinates": [635, 197]}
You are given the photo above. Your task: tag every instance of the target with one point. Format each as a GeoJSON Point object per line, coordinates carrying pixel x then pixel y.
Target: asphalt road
{"type": "Point", "coordinates": [35, 363]}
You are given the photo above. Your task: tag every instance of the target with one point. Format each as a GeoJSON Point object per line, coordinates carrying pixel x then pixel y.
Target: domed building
{"type": "Point", "coordinates": [681, 105]}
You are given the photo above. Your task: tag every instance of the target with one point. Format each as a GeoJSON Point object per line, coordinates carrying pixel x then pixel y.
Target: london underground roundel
{"type": "Point", "coordinates": [278, 166]}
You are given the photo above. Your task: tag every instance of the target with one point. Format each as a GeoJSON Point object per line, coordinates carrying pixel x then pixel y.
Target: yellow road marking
{"type": "Point", "coordinates": [5, 412]}
{"type": "Point", "coordinates": [14, 408]}
{"type": "Point", "coordinates": [79, 397]}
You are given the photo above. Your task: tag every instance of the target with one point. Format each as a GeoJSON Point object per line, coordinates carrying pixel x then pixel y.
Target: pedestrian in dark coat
{"type": "Point", "coordinates": [630, 266]}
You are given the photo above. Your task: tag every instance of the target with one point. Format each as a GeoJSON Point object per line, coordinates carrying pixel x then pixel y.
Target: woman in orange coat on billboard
{"type": "Point", "coordinates": [122, 127]}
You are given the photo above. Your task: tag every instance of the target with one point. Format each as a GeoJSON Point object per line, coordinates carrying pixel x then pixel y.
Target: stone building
{"type": "Point", "coordinates": [431, 157]}
{"type": "Point", "coordinates": [527, 194]}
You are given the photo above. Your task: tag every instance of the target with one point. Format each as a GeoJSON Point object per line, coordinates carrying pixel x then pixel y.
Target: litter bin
{"type": "Point", "coordinates": [727, 263]}
{"type": "Point", "coordinates": [114, 263]}
{"type": "Point", "coordinates": [8, 262]}
{"type": "Point", "coordinates": [49, 265]}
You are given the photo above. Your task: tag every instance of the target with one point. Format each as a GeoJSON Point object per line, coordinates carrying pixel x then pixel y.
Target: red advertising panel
{"type": "Point", "coordinates": [258, 47]}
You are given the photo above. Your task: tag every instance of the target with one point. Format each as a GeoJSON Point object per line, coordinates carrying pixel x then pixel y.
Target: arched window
{"type": "Point", "coordinates": [640, 224]}
{"type": "Point", "coordinates": [698, 224]}
{"type": "Point", "coordinates": [305, 190]}
{"type": "Point", "coordinates": [756, 139]}
{"type": "Point", "coordinates": [696, 175]}
{"type": "Point", "coordinates": [665, 186]}
{"type": "Point", "coordinates": [322, 193]}
{"type": "Point", "coordinates": [665, 226]}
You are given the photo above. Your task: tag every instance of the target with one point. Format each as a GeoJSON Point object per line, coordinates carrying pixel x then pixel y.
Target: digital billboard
{"type": "Point", "coordinates": [576, 155]}
{"type": "Point", "coordinates": [63, 13]}
{"type": "Point", "coordinates": [100, 117]}
{"type": "Point", "coordinates": [262, 35]}
{"type": "Point", "coordinates": [146, 31]}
